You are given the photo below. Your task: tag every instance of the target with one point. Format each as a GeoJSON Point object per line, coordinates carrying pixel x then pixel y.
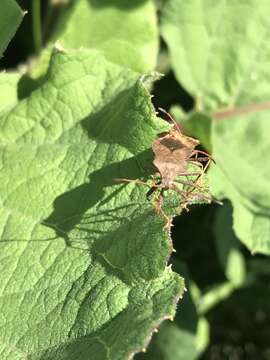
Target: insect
{"type": "Point", "coordinates": [173, 152]}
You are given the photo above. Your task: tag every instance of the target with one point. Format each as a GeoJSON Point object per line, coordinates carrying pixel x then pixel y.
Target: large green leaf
{"type": "Point", "coordinates": [228, 248]}
{"type": "Point", "coordinates": [176, 340]}
{"type": "Point", "coordinates": [217, 57]}
{"type": "Point", "coordinates": [224, 62]}
{"type": "Point", "coordinates": [125, 31]}
{"type": "Point", "coordinates": [83, 258]}
{"type": "Point", "coordinates": [241, 149]}
{"type": "Point", "coordinates": [10, 18]}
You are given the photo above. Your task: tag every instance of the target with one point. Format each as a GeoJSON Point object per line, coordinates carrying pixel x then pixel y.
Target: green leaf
{"type": "Point", "coordinates": [126, 32]}
{"type": "Point", "coordinates": [224, 64]}
{"type": "Point", "coordinates": [8, 90]}
{"type": "Point", "coordinates": [229, 253]}
{"type": "Point", "coordinates": [179, 340]}
{"type": "Point", "coordinates": [215, 295]}
{"type": "Point", "coordinates": [10, 18]}
{"type": "Point", "coordinates": [242, 176]}
{"type": "Point", "coordinates": [172, 343]}
{"type": "Point", "coordinates": [35, 75]}
{"type": "Point", "coordinates": [218, 58]}
{"type": "Point", "coordinates": [83, 258]}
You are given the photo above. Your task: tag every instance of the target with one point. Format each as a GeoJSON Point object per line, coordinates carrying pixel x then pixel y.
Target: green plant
{"type": "Point", "coordinates": [87, 270]}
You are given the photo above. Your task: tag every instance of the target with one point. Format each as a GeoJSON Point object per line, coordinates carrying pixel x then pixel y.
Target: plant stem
{"type": "Point", "coordinates": [242, 110]}
{"type": "Point", "coordinates": [36, 25]}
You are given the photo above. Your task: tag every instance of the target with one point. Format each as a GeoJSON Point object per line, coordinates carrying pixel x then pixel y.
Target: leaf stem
{"type": "Point", "coordinates": [36, 25]}
{"type": "Point", "coordinates": [242, 110]}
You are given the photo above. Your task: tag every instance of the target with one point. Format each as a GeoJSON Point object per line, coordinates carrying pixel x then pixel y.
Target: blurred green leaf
{"type": "Point", "coordinates": [216, 57]}
{"type": "Point", "coordinates": [242, 150]}
{"type": "Point", "coordinates": [214, 296]}
{"type": "Point", "coordinates": [83, 258]}
{"type": "Point", "coordinates": [173, 343]}
{"type": "Point", "coordinates": [198, 124]}
{"type": "Point", "coordinates": [228, 246]}
{"type": "Point", "coordinates": [224, 63]}
{"type": "Point", "coordinates": [10, 18]}
{"type": "Point", "coordinates": [126, 32]}
{"type": "Point", "coordinates": [203, 330]}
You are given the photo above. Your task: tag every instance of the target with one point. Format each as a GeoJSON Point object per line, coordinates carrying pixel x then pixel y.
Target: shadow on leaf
{"type": "Point", "coordinates": [70, 207]}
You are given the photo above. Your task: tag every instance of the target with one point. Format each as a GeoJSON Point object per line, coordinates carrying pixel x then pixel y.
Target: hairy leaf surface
{"type": "Point", "coordinates": [83, 258]}
{"type": "Point", "coordinates": [178, 340]}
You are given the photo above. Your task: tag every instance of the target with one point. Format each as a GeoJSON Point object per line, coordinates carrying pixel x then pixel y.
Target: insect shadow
{"type": "Point", "coordinates": [173, 152]}
{"type": "Point", "coordinates": [104, 126]}
{"type": "Point", "coordinates": [71, 206]}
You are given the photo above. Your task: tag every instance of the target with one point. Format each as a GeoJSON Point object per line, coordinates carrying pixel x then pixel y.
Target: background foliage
{"type": "Point", "coordinates": [85, 262]}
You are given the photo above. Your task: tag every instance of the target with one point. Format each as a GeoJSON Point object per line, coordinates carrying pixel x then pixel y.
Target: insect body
{"type": "Point", "coordinates": [173, 152]}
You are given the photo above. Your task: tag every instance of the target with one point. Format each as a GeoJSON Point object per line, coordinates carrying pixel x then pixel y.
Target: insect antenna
{"type": "Point", "coordinates": [176, 125]}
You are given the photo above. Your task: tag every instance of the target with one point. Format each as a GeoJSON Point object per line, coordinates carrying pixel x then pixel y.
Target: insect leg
{"type": "Point", "coordinates": [203, 171]}
{"type": "Point", "coordinates": [151, 191]}
{"type": "Point", "coordinates": [187, 173]}
{"type": "Point", "coordinates": [184, 182]}
{"type": "Point", "coordinates": [198, 159]}
{"type": "Point", "coordinates": [159, 202]}
{"type": "Point", "coordinates": [195, 182]}
{"type": "Point", "coordinates": [196, 162]}
{"type": "Point", "coordinates": [196, 152]}
{"type": "Point", "coordinates": [159, 210]}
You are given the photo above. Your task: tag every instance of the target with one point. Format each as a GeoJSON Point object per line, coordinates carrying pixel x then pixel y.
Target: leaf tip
{"type": "Point", "coordinates": [169, 267]}
{"type": "Point", "coordinates": [253, 251]}
{"type": "Point", "coordinates": [148, 79]}
{"type": "Point", "coordinates": [58, 48]}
